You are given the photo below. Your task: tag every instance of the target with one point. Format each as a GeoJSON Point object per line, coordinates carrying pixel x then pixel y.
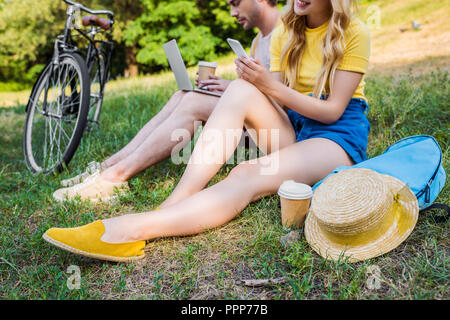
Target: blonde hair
{"type": "Point", "coordinates": [332, 47]}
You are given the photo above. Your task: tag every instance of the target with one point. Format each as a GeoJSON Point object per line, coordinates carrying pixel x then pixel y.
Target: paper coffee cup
{"type": "Point", "coordinates": [205, 69]}
{"type": "Point", "coordinates": [295, 199]}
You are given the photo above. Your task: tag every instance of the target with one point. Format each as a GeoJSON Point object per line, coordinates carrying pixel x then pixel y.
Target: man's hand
{"type": "Point", "coordinates": [253, 71]}
{"type": "Point", "coordinates": [196, 79]}
{"type": "Point", "coordinates": [214, 84]}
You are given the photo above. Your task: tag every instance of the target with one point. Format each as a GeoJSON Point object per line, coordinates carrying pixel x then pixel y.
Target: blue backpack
{"type": "Point", "coordinates": [416, 161]}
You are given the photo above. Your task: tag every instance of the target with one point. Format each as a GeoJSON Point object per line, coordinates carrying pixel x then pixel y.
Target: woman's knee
{"type": "Point", "coordinates": [250, 176]}
{"type": "Point", "coordinates": [241, 87]}
{"type": "Point", "coordinates": [245, 171]}
{"type": "Point", "coordinates": [237, 97]}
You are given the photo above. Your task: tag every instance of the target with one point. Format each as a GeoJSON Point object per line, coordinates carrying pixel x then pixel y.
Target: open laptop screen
{"type": "Point", "coordinates": [177, 65]}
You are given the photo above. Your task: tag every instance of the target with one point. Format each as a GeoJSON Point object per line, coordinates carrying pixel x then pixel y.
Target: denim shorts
{"type": "Point", "coordinates": [351, 131]}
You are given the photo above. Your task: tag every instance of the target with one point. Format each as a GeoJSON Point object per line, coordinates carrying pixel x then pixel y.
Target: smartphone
{"type": "Point", "coordinates": [237, 48]}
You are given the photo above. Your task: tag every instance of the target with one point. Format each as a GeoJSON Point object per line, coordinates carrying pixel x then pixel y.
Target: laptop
{"type": "Point", "coordinates": [179, 69]}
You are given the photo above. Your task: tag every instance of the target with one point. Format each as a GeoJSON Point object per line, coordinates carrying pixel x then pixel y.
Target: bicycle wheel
{"type": "Point", "coordinates": [97, 74]}
{"type": "Point", "coordinates": [57, 114]}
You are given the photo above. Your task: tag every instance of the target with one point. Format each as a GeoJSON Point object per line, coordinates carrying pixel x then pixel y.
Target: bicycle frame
{"type": "Point", "coordinates": [64, 45]}
{"type": "Point", "coordinates": [67, 93]}
{"type": "Point", "coordinates": [73, 6]}
{"type": "Point", "coordinates": [93, 50]}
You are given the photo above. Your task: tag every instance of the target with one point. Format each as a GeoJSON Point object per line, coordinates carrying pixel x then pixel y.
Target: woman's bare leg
{"type": "Point", "coordinates": [159, 144]}
{"type": "Point", "coordinates": [241, 104]}
{"type": "Point", "coordinates": [140, 137]}
{"type": "Point", "coordinates": [307, 161]}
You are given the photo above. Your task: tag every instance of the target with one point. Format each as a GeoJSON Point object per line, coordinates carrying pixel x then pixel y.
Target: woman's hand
{"type": "Point", "coordinates": [256, 73]}
{"type": "Point", "coordinates": [214, 84]}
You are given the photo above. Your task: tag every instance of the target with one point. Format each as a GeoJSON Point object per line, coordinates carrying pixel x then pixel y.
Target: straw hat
{"type": "Point", "coordinates": [360, 214]}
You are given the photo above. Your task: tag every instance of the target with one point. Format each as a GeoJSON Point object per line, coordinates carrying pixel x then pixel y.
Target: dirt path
{"type": "Point", "coordinates": [427, 48]}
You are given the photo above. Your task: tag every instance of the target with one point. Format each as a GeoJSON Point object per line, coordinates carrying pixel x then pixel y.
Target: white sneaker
{"type": "Point", "coordinates": [92, 168]}
{"type": "Point", "coordinates": [94, 188]}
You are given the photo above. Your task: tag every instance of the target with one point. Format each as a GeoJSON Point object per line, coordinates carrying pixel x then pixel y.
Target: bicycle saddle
{"type": "Point", "coordinates": [105, 24]}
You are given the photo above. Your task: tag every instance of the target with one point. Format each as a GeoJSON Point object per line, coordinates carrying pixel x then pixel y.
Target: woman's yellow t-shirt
{"type": "Point", "coordinates": [356, 54]}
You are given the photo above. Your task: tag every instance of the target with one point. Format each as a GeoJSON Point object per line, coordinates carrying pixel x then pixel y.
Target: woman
{"type": "Point", "coordinates": [318, 58]}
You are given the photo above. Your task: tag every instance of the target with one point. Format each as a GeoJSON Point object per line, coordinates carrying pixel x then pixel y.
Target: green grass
{"type": "Point", "coordinates": [212, 265]}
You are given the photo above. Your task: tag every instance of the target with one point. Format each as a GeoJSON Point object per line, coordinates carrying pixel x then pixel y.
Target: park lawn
{"type": "Point", "coordinates": [212, 265]}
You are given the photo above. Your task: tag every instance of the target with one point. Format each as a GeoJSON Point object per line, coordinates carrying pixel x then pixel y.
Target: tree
{"type": "Point", "coordinates": [28, 29]}
{"type": "Point", "coordinates": [125, 11]}
{"type": "Point", "coordinates": [25, 35]}
{"type": "Point", "coordinates": [200, 28]}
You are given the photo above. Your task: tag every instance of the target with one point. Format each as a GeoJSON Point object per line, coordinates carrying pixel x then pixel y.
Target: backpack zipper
{"type": "Point", "coordinates": [427, 189]}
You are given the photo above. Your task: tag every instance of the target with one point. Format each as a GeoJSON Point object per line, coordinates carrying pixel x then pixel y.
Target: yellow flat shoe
{"type": "Point", "coordinates": [86, 241]}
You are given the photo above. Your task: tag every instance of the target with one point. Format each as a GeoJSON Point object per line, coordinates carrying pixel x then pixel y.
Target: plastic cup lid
{"type": "Point", "coordinates": [293, 190]}
{"type": "Point", "coordinates": [207, 64]}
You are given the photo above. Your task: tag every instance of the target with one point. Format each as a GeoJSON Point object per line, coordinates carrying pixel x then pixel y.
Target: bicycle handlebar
{"type": "Point", "coordinates": [110, 14]}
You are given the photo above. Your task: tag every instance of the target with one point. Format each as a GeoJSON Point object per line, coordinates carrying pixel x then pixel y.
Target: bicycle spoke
{"type": "Point", "coordinates": [50, 135]}
{"type": "Point", "coordinates": [73, 77]}
{"type": "Point", "coordinates": [56, 117]}
{"type": "Point", "coordinates": [45, 143]}
{"type": "Point", "coordinates": [65, 135]}
{"type": "Point", "coordinates": [57, 142]}
{"type": "Point", "coordinates": [63, 89]}
{"type": "Point", "coordinates": [52, 101]}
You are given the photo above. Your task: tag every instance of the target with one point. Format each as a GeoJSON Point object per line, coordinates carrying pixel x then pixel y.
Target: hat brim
{"type": "Point", "coordinates": [390, 240]}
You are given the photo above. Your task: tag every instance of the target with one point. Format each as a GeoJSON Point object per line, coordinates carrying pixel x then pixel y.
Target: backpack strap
{"type": "Point", "coordinates": [438, 206]}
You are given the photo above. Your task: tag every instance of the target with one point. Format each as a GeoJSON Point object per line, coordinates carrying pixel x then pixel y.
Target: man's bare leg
{"type": "Point", "coordinates": [158, 145]}
{"type": "Point", "coordinates": [142, 135]}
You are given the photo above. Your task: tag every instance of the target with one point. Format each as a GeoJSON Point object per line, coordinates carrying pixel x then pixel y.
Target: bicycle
{"type": "Point", "coordinates": [67, 97]}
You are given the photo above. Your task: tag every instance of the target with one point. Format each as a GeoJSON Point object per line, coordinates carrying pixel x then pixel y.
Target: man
{"type": "Point", "coordinates": [153, 142]}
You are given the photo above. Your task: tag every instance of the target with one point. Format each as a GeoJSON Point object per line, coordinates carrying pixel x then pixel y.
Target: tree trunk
{"type": "Point", "coordinates": [132, 69]}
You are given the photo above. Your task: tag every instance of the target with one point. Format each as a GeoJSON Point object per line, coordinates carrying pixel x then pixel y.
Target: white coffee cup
{"type": "Point", "coordinates": [295, 200]}
{"type": "Point", "coordinates": [205, 69]}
